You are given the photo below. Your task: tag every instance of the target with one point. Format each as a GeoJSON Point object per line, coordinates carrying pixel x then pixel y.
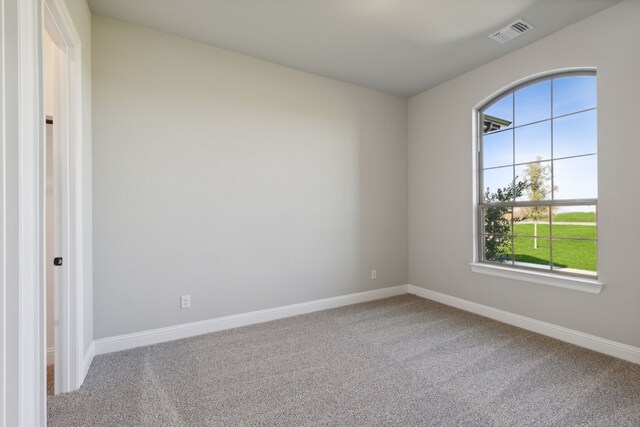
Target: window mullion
{"type": "Point", "coordinates": [543, 203]}
{"type": "Point", "coordinates": [553, 195]}
{"type": "Point", "coordinates": [550, 214]}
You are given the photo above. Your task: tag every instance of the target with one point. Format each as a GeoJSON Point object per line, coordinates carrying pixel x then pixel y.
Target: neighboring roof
{"type": "Point", "coordinates": [491, 123]}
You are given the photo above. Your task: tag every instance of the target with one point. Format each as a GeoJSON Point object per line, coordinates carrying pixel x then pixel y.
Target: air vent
{"type": "Point", "coordinates": [511, 31]}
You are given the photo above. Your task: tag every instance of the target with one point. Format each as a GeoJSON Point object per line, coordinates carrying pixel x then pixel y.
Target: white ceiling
{"type": "Point", "coordinates": [397, 46]}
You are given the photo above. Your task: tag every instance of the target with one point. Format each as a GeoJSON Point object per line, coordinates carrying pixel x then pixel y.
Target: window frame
{"type": "Point", "coordinates": [565, 279]}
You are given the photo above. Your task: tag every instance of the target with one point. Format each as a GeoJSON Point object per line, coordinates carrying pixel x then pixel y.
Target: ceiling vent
{"type": "Point", "coordinates": [511, 31]}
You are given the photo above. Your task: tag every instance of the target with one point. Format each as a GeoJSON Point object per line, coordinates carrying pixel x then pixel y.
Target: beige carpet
{"type": "Point", "coordinates": [399, 361]}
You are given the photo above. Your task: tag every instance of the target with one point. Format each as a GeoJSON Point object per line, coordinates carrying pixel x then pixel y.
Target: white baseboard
{"type": "Point", "coordinates": [88, 358]}
{"type": "Point", "coordinates": [592, 342]}
{"type": "Point", "coordinates": [50, 356]}
{"type": "Point", "coordinates": [156, 336]}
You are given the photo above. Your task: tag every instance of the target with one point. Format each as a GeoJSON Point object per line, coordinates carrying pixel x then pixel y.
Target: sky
{"type": "Point", "coordinates": [550, 121]}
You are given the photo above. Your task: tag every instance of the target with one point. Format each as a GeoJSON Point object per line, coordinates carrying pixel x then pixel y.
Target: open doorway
{"type": "Point", "coordinates": [49, 50]}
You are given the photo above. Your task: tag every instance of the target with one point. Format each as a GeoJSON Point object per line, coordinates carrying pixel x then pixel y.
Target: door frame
{"type": "Point", "coordinates": [22, 337]}
{"type": "Point", "coordinates": [22, 198]}
{"type": "Point", "coordinates": [68, 195]}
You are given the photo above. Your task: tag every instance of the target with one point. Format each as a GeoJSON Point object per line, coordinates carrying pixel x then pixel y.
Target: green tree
{"type": "Point", "coordinates": [497, 222]}
{"type": "Point", "coordinates": [539, 187]}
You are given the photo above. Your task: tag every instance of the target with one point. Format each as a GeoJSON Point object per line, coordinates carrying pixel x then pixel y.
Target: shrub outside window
{"type": "Point", "coordinates": [537, 175]}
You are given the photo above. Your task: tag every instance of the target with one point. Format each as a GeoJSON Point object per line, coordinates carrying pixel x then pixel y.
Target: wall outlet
{"type": "Point", "coordinates": [374, 275]}
{"type": "Point", "coordinates": [185, 301]}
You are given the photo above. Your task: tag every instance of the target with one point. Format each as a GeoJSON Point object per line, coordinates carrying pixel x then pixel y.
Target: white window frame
{"type": "Point", "coordinates": [555, 278]}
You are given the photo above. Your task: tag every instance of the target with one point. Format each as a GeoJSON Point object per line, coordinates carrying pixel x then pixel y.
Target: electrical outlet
{"type": "Point", "coordinates": [374, 275]}
{"type": "Point", "coordinates": [185, 301]}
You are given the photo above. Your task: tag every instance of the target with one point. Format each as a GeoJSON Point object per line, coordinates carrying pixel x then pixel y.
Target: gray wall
{"type": "Point", "coordinates": [440, 179]}
{"type": "Point", "coordinates": [242, 183]}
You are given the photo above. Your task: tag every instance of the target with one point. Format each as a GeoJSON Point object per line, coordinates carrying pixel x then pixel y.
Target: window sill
{"type": "Point", "coordinates": [589, 286]}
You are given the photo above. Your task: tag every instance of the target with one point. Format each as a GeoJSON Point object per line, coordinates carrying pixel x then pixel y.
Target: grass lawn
{"type": "Point", "coordinates": [576, 254]}
{"type": "Point", "coordinates": [575, 217]}
{"type": "Point", "coordinates": [573, 231]}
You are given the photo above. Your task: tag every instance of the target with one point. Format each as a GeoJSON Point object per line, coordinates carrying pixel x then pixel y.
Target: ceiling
{"type": "Point", "coordinates": [397, 46]}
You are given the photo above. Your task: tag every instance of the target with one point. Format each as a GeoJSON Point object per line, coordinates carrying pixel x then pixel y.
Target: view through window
{"type": "Point", "coordinates": [538, 186]}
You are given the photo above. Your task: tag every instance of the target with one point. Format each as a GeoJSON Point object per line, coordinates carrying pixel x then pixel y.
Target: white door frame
{"type": "Point", "coordinates": [22, 196]}
{"type": "Point", "coordinates": [22, 337]}
{"type": "Point", "coordinates": [68, 196]}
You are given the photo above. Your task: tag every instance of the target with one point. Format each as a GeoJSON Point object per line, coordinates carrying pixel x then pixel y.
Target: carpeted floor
{"type": "Point", "coordinates": [399, 361]}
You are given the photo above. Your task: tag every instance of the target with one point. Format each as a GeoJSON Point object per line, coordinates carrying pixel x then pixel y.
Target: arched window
{"type": "Point", "coordinates": [537, 176]}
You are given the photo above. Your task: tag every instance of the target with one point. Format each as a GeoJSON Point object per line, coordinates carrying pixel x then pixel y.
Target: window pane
{"type": "Point", "coordinates": [532, 252]}
{"type": "Point", "coordinates": [497, 248]}
{"type": "Point", "coordinates": [496, 179]}
{"type": "Point", "coordinates": [499, 115]}
{"type": "Point", "coordinates": [497, 149]}
{"type": "Point", "coordinates": [538, 177]}
{"type": "Point", "coordinates": [575, 256]}
{"type": "Point", "coordinates": [574, 93]}
{"type": "Point", "coordinates": [575, 222]}
{"type": "Point", "coordinates": [531, 221]}
{"type": "Point", "coordinates": [576, 178]}
{"type": "Point", "coordinates": [533, 142]}
{"type": "Point", "coordinates": [533, 228]}
{"type": "Point", "coordinates": [533, 103]}
{"type": "Point", "coordinates": [523, 214]}
{"type": "Point", "coordinates": [575, 134]}
{"type": "Point", "coordinates": [496, 221]}
{"type": "Point", "coordinates": [574, 214]}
